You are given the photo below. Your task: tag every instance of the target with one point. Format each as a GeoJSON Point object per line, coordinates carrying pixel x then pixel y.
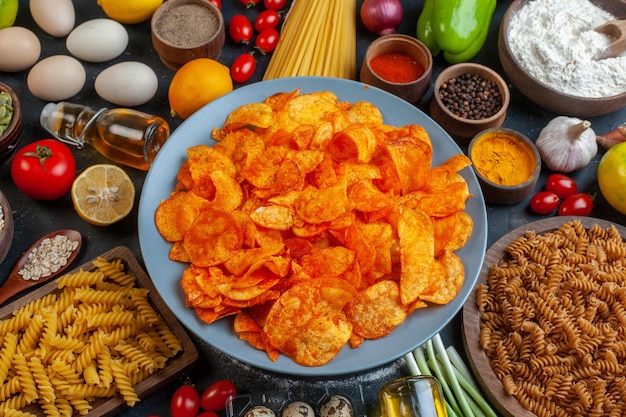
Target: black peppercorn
{"type": "Point", "coordinates": [471, 96]}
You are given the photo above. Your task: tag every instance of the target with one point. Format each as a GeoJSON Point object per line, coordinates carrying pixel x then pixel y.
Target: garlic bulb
{"type": "Point", "coordinates": [567, 144]}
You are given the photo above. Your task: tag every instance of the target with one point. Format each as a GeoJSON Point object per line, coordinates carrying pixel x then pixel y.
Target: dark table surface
{"type": "Point", "coordinates": [35, 218]}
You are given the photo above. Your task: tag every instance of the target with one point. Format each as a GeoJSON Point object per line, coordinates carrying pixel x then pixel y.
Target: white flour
{"type": "Point", "coordinates": [555, 41]}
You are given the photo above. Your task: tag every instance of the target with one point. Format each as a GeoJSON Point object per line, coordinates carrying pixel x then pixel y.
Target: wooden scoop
{"type": "Point", "coordinates": [616, 29]}
{"type": "Point", "coordinates": [15, 284]}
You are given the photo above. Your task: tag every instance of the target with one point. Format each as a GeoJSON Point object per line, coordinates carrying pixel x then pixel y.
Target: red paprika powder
{"type": "Point", "coordinates": [397, 67]}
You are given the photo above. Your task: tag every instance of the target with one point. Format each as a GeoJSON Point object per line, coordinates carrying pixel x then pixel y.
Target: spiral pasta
{"type": "Point", "coordinates": [98, 337]}
{"type": "Point", "coordinates": [553, 321]}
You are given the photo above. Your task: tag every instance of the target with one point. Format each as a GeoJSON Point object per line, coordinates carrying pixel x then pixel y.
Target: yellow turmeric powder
{"type": "Point", "coordinates": [502, 158]}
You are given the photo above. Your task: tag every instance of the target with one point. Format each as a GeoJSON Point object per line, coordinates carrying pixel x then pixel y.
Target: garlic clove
{"type": "Point", "coordinates": [567, 144]}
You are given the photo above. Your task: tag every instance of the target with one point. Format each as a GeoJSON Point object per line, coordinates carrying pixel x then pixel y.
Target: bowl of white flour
{"type": "Point", "coordinates": [547, 49]}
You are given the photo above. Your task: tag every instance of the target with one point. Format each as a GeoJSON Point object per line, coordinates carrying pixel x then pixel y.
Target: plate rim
{"type": "Point", "coordinates": [308, 84]}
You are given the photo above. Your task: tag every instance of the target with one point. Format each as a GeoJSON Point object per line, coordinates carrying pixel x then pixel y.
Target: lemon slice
{"type": "Point", "coordinates": [103, 194]}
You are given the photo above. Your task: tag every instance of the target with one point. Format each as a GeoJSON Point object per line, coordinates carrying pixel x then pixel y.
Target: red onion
{"type": "Point", "coordinates": [381, 16]}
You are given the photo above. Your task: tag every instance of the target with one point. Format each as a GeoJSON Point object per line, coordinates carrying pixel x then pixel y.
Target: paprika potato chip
{"type": "Point", "coordinates": [316, 225]}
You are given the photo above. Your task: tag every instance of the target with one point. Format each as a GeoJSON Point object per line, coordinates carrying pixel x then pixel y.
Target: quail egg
{"type": "Point", "coordinates": [298, 409]}
{"type": "Point", "coordinates": [337, 406]}
{"type": "Point", "coordinates": [259, 411]}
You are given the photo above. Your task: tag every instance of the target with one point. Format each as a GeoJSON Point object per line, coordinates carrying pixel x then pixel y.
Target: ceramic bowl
{"type": "Point", "coordinates": [460, 128]}
{"type": "Point", "coordinates": [11, 137]}
{"type": "Point", "coordinates": [412, 91]}
{"type": "Point", "coordinates": [6, 227]}
{"type": "Point", "coordinates": [540, 93]}
{"type": "Point", "coordinates": [491, 185]}
{"type": "Point", "coordinates": [183, 30]}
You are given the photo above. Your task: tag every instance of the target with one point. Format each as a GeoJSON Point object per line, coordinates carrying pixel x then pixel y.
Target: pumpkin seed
{"type": "Point", "coordinates": [6, 111]}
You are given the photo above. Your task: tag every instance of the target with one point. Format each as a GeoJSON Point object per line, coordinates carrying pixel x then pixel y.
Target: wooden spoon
{"type": "Point", "coordinates": [15, 284]}
{"type": "Point", "coordinates": [616, 29]}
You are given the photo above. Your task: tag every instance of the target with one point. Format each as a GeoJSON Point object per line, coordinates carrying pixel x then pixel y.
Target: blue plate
{"type": "Point", "coordinates": [160, 180]}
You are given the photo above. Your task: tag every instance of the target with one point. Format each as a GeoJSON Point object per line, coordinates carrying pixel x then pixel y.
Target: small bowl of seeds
{"type": "Point", "coordinates": [467, 99]}
{"type": "Point", "coordinates": [6, 226]}
{"type": "Point", "coordinates": [10, 123]}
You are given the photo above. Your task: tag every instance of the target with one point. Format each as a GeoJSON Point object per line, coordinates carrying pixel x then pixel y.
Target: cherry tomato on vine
{"type": "Point", "coordinates": [217, 3]}
{"type": "Point", "coordinates": [44, 169]}
{"type": "Point", "coordinates": [266, 19]}
{"type": "Point", "coordinates": [216, 395]}
{"type": "Point", "coordinates": [243, 68]}
{"type": "Point", "coordinates": [544, 202]}
{"type": "Point", "coordinates": [274, 4]}
{"type": "Point", "coordinates": [561, 185]}
{"type": "Point", "coordinates": [240, 29]}
{"type": "Point", "coordinates": [185, 402]}
{"type": "Point", "coordinates": [249, 3]}
{"type": "Point", "coordinates": [267, 40]}
{"type": "Point", "coordinates": [579, 204]}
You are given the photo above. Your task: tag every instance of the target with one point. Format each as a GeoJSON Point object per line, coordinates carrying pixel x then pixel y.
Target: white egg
{"type": "Point", "coordinates": [55, 17]}
{"type": "Point", "coordinates": [127, 83]}
{"type": "Point", "coordinates": [56, 78]}
{"type": "Point", "coordinates": [97, 40]}
{"type": "Point", "coordinates": [19, 48]}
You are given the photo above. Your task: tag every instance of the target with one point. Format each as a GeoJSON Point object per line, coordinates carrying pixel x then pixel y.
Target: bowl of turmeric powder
{"type": "Point", "coordinates": [507, 165]}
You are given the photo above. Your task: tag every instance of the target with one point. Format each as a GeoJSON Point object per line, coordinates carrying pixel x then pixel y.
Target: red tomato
{"type": "Point", "coordinates": [249, 3]}
{"type": "Point", "coordinates": [561, 185]}
{"type": "Point", "coordinates": [267, 40]}
{"type": "Point", "coordinates": [579, 204]}
{"type": "Point", "coordinates": [266, 19]}
{"type": "Point", "coordinates": [240, 29]}
{"type": "Point", "coordinates": [217, 3]}
{"type": "Point", "coordinates": [44, 169]}
{"type": "Point", "coordinates": [185, 402]}
{"type": "Point", "coordinates": [215, 397]}
{"type": "Point", "coordinates": [243, 68]}
{"type": "Point", "coordinates": [274, 4]}
{"type": "Point", "coordinates": [544, 202]}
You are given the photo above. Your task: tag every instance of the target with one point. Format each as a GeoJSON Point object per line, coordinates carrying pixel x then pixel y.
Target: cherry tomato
{"type": "Point", "coordinates": [44, 169]}
{"type": "Point", "coordinates": [240, 29]}
{"type": "Point", "coordinates": [579, 204]}
{"type": "Point", "coordinates": [185, 402]}
{"type": "Point", "coordinates": [266, 19]}
{"type": "Point", "coordinates": [216, 395]}
{"type": "Point", "coordinates": [544, 202]}
{"type": "Point", "coordinates": [274, 4]}
{"type": "Point", "coordinates": [243, 68]}
{"type": "Point", "coordinates": [217, 3]}
{"type": "Point", "coordinates": [561, 185]}
{"type": "Point", "coordinates": [249, 3]}
{"type": "Point", "coordinates": [267, 40]}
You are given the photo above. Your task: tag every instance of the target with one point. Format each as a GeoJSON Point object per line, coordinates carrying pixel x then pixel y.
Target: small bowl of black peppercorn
{"type": "Point", "coordinates": [467, 99]}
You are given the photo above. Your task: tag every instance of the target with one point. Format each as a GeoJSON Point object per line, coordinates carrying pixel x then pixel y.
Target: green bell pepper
{"type": "Point", "coordinates": [459, 28]}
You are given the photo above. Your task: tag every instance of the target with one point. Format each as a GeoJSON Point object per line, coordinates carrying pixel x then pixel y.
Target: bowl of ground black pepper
{"type": "Point", "coordinates": [399, 64]}
{"type": "Point", "coordinates": [468, 98]}
{"type": "Point", "coordinates": [559, 69]}
{"type": "Point", "coordinates": [10, 123]}
{"type": "Point", "coordinates": [6, 226]}
{"type": "Point", "coordinates": [183, 30]}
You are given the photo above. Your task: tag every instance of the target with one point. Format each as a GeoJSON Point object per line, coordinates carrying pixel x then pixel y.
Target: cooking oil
{"type": "Point", "coordinates": [126, 136]}
{"type": "Point", "coordinates": [413, 396]}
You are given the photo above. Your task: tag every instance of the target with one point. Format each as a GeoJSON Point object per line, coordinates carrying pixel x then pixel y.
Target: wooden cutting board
{"type": "Point", "coordinates": [505, 404]}
{"type": "Point", "coordinates": [174, 367]}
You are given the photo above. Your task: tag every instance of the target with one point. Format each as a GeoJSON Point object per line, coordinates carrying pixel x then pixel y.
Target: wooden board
{"type": "Point", "coordinates": [174, 367]}
{"type": "Point", "coordinates": [506, 405]}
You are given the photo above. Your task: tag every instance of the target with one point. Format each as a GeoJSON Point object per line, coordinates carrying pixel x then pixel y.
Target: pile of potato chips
{"type": "Point", "coordinates": [316, 224]}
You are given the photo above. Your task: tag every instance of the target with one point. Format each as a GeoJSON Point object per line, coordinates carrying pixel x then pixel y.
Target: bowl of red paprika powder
{"type": "Point", "coordinates": [399, 64]}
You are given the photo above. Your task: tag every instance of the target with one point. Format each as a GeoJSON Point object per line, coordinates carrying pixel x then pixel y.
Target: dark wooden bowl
{"type": "Point", "coordinates": [175, 50]}
{"type": "Point", "coordinates": [461, 129]}
{"type": "Point", "coordinates": [6, 231]}
{"type": "Point", "coordinates": [395, 43]}
{"type": "Point", "coordinates": [544, 95]}
{"type": "Point", "coordinates": [11, 138]}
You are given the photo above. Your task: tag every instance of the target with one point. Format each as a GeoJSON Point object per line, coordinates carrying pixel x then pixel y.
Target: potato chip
{"type": "Point", "coordinates": [452, 231]}
{"type": "Point", "coordinates": [317, 206]}
{"type": "Point", "coordinates": [214, 237]}
{"type": "Point", "coordinates": [453, 277]}
{"type": "Point", "coordinates": [411, 159]}
{"type": "Point", "coordinates": [377, 310]}
{"type": "Point", "coordinates": [364, 112]}
{"type": "Point", "coordinates": [253, 115]}
{"type": "Point", "coordinates": [175, 215]}
{"type": "Point", "coordinates": [356, 142]}
{"type": "Point", "coordinates": [273, 216]}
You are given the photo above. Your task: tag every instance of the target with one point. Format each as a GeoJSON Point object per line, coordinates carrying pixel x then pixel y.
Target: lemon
{"type": "Point", "coordinates": [612, 177]}
{"type": "Point", "coordinates": [103, 194]}
{"type": "Point", "coordinates": [129, 11]}
{"type": "Point", "coordinates": [8, 12]}
{"type": "Point", "coordinates": [197, 83]}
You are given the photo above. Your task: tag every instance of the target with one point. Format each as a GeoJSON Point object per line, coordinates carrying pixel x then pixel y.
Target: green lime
{"type": "Point", "coordinates": [612, 177]}
{"type": "Point", "coordinates": [8, 12]}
